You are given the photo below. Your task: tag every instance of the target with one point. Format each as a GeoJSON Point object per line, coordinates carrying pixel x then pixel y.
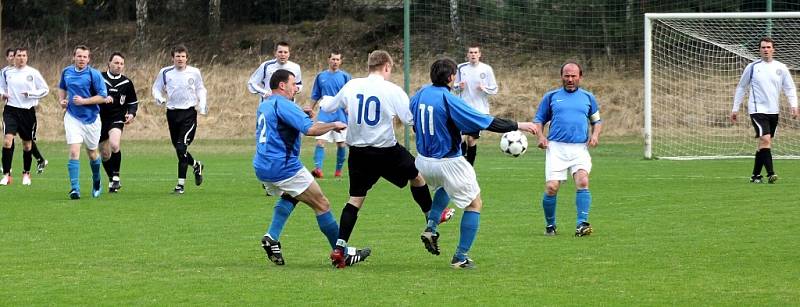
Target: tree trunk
{"type": "Point", "coordinates": [454, 22]}
{"type": "Point", "coordinates": [1, 23]}
{"type": "Point", "coordinates": [141, 23]}
{"type": "Point", "coordinates": [214, 18]}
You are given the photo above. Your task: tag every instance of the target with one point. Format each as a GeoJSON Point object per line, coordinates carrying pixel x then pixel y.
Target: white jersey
{"type": "Point", "coordinates": [474, 76]}
{"type": "Point", "coordinates": [259, 80]}
{"type": "Point", "coordinates": [15, 82]}
{"type": "Point", "coordinates": [371, 104]}
{"type": "Point", "coordinates": [766, 79]}
{"type": "Point", "coordinates": [184, 88]}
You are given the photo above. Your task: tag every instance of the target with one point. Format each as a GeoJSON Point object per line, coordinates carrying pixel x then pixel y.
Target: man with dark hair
{"type": "Point", "coordinates": [474, 83]}
{"type": "Point", "coordinates": [259, 80]}
{"type": "Point", "coordinates": [22, 87]}
{"type": "Point", "coordinates": [766, 78]}
{"type": "Point", "coordinates": [80, 91]}
{"type": "Point", "coordinates": [439, 119]}
{"type": "Point", "coordinates": [185, 91]}
{"type": "Point", "coordinates": [280, 124]}
{"type": "Point", "coordinates": [327, 84]}
{"type": "Point", "coordinates": [114, 116]}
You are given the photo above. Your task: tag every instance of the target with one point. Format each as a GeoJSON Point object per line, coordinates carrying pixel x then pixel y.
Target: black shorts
{"type": "Point", "coordinates": [368, 164]}
{"type": "Point", "coordinates": [182, 125]}
{"type": "Point", "coordinates": [764, 124]}
{"type": "Point", "coordinates": [110, 122]}
{"type": "Point", "coordinates": [20, 121]}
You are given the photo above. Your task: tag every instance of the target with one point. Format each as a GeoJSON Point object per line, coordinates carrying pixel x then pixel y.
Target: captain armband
{"type": "Point", "coordinates": [594, 117]}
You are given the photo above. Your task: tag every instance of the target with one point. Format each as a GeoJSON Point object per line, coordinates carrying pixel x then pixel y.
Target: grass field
{"type": "Point", "coordinates": [666, 233]}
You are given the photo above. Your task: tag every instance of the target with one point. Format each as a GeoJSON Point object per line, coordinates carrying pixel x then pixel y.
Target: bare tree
{"type": "Point", "coordinates": [454, 23]}
{"type": "Point", "coordinates": [141, 22]}
{"type": "Point", "coordinates": [214, 18]}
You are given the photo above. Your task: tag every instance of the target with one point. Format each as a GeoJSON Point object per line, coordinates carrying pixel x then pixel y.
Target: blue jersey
{"type": "Point", "coordinates": [85, 83]}
{"type": "Point", "coordinates": [439, 118]}
{"type": "Point", "coordinates": [329, 83]}
{"type": "Point", "coordinates": [569, 114]}
{"type": "Point", "coordinates": [279, 124]}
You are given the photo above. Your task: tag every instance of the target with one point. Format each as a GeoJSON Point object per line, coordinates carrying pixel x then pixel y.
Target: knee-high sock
{"type": "Point", "coordinates": [116, 162]}
{"type": "Point", "coordinates": [95, 165]}
{"type": "Point", "coordinates": [341, 153]}
{"type": "Point", "coordinates": [328, 227]}
{"type": "Point", "coordinates": [283, 209]}
{"type": "Point", "coordinates": [27, 160]}
{"type": "Point", "coordinates": [549, 206]}
{"type": "Point", "coordinates": [319, 155]}
{"type": "Point", "coordinates": [464, 149]}
{"type": "Point", "coordinates": [108, 167]}
{"type": "Point", "coordinates": [758, 163]}
{"type": "Point", "coordinates": [422, 196]}
{"type": "Point", "coordinates": [470, 222]}
{"type": "Point", "coordinates": [8, 155]}
{"type": "Point", "coordinates": [74, 169]}
{"type": "Point", "coordinates": [347, 223]}
{"type": "Point", "coordinates": [35, 152]}
{"type": "Point", "coordinates": [440, 200]}
{"type": "Point", "coordinates": [583, 202]}
{"type": "Point", "coordinates": [766, 155]}
{"type": "Point", "coordinates": [472, 152]}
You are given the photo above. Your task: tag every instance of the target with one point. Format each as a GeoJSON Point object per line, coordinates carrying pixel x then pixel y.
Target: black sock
{"type": "Point", "coordinates": [107, 167]}
{"type": "Point", "coordinates": [347, 221]}
{"type": "Point", "coordinates": [8, 155]}
{"type": "Point", "coordinates": [422, 196]}
{"type": "Point", "coordinates": [471, 152]}
{"type": "Point", "coordinates": [757, 164]}
{"type": "Point", "coordinates": [27, 160]}
{"type": "Point", "coordinates": [766, 156]}
{"type": "Point", "coordinates": [291, 199]}
{"type": "Point", "coordinates": [116, 161]}
{"type": "Point", "coordinates": [35, 152]}
{"type": "Point", "coordinates": [464, 148]}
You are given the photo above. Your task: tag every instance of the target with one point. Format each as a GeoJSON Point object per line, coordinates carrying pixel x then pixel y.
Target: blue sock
{"type": "Point", "coordinates": [549, 206]}
{"type": "Point", "coordinates": [95, 165]}
{"type": "Point", "coordinates": [328, 227]}
{"type": "Point", "coordinates": [440, 201]}
{"type": "Point", "coordinates": [469, 230]}
{"type": "Point", "coordinates": [583, 200]}
{"type": "Point", "coordinates": [283, 208]}
{"type": "Point", "coordinates": [74, 169]}
{"type": "Point", "coordinates": [319, 155]}
{"type": "Point", "coordinates": [341, 153]}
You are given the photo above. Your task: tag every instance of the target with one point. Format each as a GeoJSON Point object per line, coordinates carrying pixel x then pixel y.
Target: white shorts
{"type": "Point", "coordinates": [455, 175]}
{"type": "Point", "coordinates": [563, 157]}
{"type": "Point", "coordinates": [293, 186]}
{"type": "Point", "coordinates": [78, 132]}
{"type": "Point", "coordinates": [333, 136]}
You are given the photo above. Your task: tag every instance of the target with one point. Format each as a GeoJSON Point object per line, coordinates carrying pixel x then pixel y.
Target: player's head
{"type": "Point", "coordinates": [80, 56]}
{"type": "Point", "coordinates": [20, 57]}
{"type": "Point", "coordinates": [335, 60]}
{"type": "Point", "coordinates": [474, 53]}
{"type": "Point", "coordinates": [10, 56]}
{"type": "Point", "coordinates": [116, 63]}
{"type": "Point", "coordinates": [380, 61]}
{"type": "Point", "coordinates": [282, 52]}
{"type": "Point", "coordinates": [571, 74]}
{"type": "Point", "coordinates": [766, 48]}
{"type": "Point", "coordinates": [282, 83]}
{"type": "Point", "coordinates": [180, 56]}
{"type": "Point", "coordinates": [443, 71]}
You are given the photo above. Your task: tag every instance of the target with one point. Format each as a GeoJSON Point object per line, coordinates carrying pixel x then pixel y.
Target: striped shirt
{"type": "Point", "coordinates": [259, 80]}
{"type": "Point", "coordinates": [184, 88]}
{"type": "Point", "coordinates": [16, 81]}
{"type": "Point", "coordinates": [766, 80]}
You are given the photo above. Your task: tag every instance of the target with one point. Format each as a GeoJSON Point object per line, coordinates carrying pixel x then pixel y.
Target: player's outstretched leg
{"type": "Point", "coordinates": [470, 222]}
{"type": "Point", "coordinates": [273, 249]}
{"type": "Point", "coordinates": [430, 236]}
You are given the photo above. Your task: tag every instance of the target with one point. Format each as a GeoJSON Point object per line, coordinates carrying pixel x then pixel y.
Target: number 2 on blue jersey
{"type": "Point", "coordinates": [364, 110]}
{"type": "Point", "coordinates": [262, 128]}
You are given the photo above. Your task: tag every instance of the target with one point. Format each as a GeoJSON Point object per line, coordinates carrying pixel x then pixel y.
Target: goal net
{"type": "Point", "coordinates": [693, 62]}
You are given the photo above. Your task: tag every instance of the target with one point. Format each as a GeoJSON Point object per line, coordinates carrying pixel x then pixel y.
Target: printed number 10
{"type": "Point", "coordinates": [364, 107]}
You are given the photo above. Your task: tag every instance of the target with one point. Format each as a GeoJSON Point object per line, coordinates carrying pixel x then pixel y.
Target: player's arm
{"type": "Point", "coordinates": [741, 89]}
{"type": "Point", "coordinates": [338, 102]}
{"type": "Point", "coordinates": [294, 117]}
{"type": "Point", "coordinates": [40, 89]}
{"type": "Point", "coordinates": [62, 92]}
{"type": "Point", "coordinates": [490, 88]}
{"type": "Point", "coordinates": [202, 94]}
{"type": "Point", "coordinates": [595, 121]}
{"type": "Point", "coordinates": [299, 79]}
{"type": "Point", "coordinates": [3, 86]}
{"type": "Point", "coordinates": [790, 90]}
{"type": "Point", "coordinates": [403, 108]}
{"type": "Point", "coordinates": [100, 89]}
{"type": "Point", "coordinates": [254, 84]}
{"type": "Point", "coordinates": [158, 89]}
{"type": "Point", "coordinates": [320, 128]}
{"type": "Point", "coordinates": [132, 102]}
{"type": "Point", "coordinates": [543, 114]}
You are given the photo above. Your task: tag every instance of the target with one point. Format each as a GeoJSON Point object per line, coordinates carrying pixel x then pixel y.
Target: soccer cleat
{"type": "Point", "coordinates": [550, 230]}
{"type": "Point", "coordinates": [772, 178]}
{"type": "Point", "coordinates": [462, 264]}
{"type": "Point", "coordinates": [356, 255]}
{"type": "Point", "coordinates": [337, 174]}
{"type": "Point", "coordinates": [317, 173]}
{"type": "Point", "coordinates": [338, 257]}
{"type": "Point", "coordinates": [447, 215]}
{"type": "Point", "coordinates": [178, 189]}
{"type": "Point", "coordinates": [74, 194]}
{"type": "Point", "coordinates": [26, 178]}
{"type": "Point", "coordinates": [431, 241]}
{"type": "Point", "coordinates": [114, 186]}
{"type": "Point", "coordinates": [96, 188]}
{"type": "Point", "coordinates": [6, 180]}
{"type": "Point", "coordinates": [273, 249]}
{"type": "Point", "coordinates": [40, 166]}
{"type": "Point", "coordinates": [583, 229]}
{"type": "Point", "coordinates": [756, 179]}
{"type": "Point", "coordinates": [198, 172]}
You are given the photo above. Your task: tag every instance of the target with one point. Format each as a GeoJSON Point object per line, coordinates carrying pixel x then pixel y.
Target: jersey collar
{"type": "Point", "coordinates": [111, 76]}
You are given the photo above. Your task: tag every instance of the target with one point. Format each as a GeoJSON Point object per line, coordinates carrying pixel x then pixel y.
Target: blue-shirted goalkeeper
{"type": "Point", "coordinates": [570, 111]}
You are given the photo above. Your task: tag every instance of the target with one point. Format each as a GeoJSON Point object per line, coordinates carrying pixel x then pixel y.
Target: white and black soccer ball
{"type": "Point", "coordinates": [514, 143]}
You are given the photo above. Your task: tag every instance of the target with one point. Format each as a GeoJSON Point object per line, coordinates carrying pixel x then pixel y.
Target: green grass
{"type": "Point", "coordinates": [666, 233]}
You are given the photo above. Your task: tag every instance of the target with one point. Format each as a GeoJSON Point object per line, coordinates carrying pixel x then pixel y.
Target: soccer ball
{"type": "Point", "coordinates": [513, 143]}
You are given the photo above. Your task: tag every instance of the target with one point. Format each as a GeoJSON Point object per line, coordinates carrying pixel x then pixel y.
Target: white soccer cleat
{"type": "Point", "coordinates": [26, 179]}
{"type": "Point", "coordinates": [6, 180]}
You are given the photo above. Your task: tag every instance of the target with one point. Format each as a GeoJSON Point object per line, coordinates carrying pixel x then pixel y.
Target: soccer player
{"type": "Point", "coordinates": [21, 86]}
{"type": "Point", "coordinates": [372, 103]}
{"type": "Point", "coordinates": [184, 87]}
{"type": "Point", "coordinates": [569, 110]}
{"type": "Point", "coordinates": [328, 83]}
{"type": "Point", "coordinates": [80, 91]}
{"type": "Point", "coordinates": [766, 78]}
{"type": "Point", "coordinates": [474, 83]}
{"type": "Point", "coordinates": [259, 80]}
{"type": "Point", "coordinates": [279, 124]}
{"type": "Point", "coordinates": [439, 118]}
{"type": "Point", "coordinates": [41, 162]}
{"type": "Point", "coordinates": [114, 116]}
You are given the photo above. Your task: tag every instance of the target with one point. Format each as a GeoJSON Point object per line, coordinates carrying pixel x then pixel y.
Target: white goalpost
{"type": "Point", "coordinates": [692, 64]}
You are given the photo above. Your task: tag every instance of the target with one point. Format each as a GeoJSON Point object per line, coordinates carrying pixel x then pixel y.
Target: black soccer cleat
{"type": "Point", "coordinates": [757, 179]}
{"type": "Point", "coordinates": [273, 249]}
{"type": "Point", "coordinates": [114, 186]}
{"type": "Point", "coordinates": [550, 230]}
{"type": "Point", "coordinates": [772, 178]}
{"type": "Point", "coordinates": [178, 189]}
{"type": "Point", "coordinates": [198, 172]}
{"type": "Point", "coordinates": [467, 263]}
{"type": "Point", "coordinates": [583, 229]}
{"type": "Point", "coordinates": [357, 256]}
{"type": "Point", "coordinates": [74, 194]}
{"type": "Point", "coordinates": [41, 165]}
{"type": "Point", "coordinates": [431, 240]}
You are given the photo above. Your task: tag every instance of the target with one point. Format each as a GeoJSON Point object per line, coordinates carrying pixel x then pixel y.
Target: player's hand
{"type": "Point", "coordinates": [462, 84]}
{"type": "Point", "coordinates": [594, 141]}
{"type": "Point", "coordinates": [5, 96]}
{"type": "Point", "coordinates": [159, 102]}
{"type": "Point", "coordinates": [795, 113]}
{"type": "Point", "coordinates": [308, 110]}
{"type": "Point", "coordinates": [23, 94]}
{"type": "Point", "coordinates": [109, 99]}
{"type": "Point", "coordinates": [526, 126]}
{"type": "Point", "coordinates": [63, 103]}
{"type": "Point", "coordinates": [339, 126]}
{"type": "Point", "coordinates": [203, 110]}
{"type": "Point", "coordinates": [129, 118]}
{"type": "Point", "coordinates": [481, 87]}
{"type": "Point", "coordinates": [542, 142]}
{"type": "Point", "coordinates": [734, 115]}
{"type": "Point", "coordinates": [267, 94]}
{"type": "Point", "coordinates": [77, 100]}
